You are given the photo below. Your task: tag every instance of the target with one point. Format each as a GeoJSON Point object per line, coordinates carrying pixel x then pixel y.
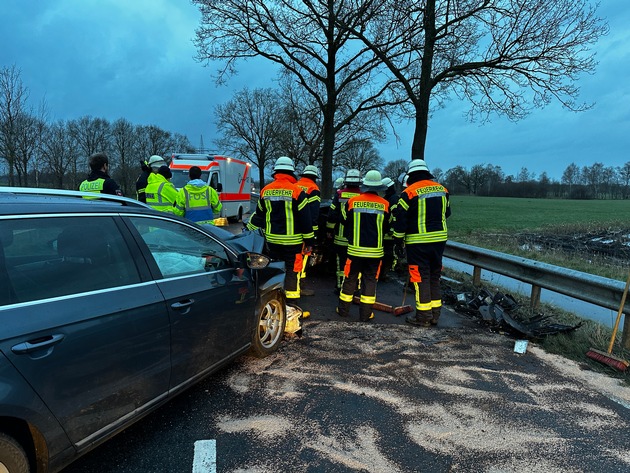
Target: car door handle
{"type": "Point", "coordinates": [183, 304]}
{"type": "Point", "coordinates": [38, 344]}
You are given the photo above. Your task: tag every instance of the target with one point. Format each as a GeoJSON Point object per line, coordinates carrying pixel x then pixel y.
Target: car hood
{"type": "Point", "coordinates": [246, 241]}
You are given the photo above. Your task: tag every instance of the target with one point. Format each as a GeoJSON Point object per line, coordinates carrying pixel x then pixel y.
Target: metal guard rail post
{"type": "Point", "coordinates": [603, 292]}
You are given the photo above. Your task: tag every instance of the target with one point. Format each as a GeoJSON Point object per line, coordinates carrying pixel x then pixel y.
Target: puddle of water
{"type": "Point", "coordinates": [583, 309]}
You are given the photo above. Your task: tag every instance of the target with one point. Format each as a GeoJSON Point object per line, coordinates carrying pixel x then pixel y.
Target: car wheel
{"type": "Point", "coordinates": [271, 320]}
{"type": "Point", "coordinates": [13, 459]}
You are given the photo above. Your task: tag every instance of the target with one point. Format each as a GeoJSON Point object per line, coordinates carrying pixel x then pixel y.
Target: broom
{"type": "Point", "coordinates": [606, 357]}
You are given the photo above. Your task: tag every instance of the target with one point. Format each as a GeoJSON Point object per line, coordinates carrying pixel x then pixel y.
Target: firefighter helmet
{"type": "Point", "coordinates": [338, 182]}
{"type": "Point", "coordinates": [311, 170]}
{"type": "Point", "coordinates": [417, 165]}
{"type": "Point", "coordinates": [388, 182]}
{"type": "Point", "coordinates": [373, 181]}
{"type": "Point", "coordinates": [156, 161]}
{"type": "Point", "coordinates": [284, 163]}
{"type": "Point", "coordinates": [353, 176]}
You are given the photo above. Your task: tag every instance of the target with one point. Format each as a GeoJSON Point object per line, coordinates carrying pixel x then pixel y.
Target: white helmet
{"type": "Point", "coordinates": [156, 162]}
{"type": "Point", "coordinates": [284, 163]}
{"type": "Point", "coordinates": [338, 183]}
{"type": "Point", "coordinates": [373, 181]}
{"type": "Point", "coordinates": [311, 170]}
{"type": "Point", "coordinates": [417, 165]}
{"type": "Point", "coordinates": [353, 176]}
{"type": "Point", "coordinates": [388, 182]}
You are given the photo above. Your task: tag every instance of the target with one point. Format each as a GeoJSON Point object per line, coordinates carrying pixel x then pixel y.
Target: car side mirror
{"type": "Point", "coordinates": [257, 261]}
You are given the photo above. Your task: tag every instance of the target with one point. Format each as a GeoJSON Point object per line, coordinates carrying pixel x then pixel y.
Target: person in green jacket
{"type": "Point", "coordinates": [197, 201]}
{"type": "Point", "coordinates": [160, 192]}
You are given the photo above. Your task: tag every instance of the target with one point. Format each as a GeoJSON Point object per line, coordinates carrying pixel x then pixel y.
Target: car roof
{"type": "Point", "coordinates": [22, 200]}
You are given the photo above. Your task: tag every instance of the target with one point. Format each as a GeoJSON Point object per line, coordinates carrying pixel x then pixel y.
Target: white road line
{"type": "Point", "coordinates": [205, 460]}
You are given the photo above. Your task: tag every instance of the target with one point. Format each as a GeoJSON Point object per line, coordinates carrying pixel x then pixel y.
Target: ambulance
{"type": "Point", "coordinates": [228, 176]}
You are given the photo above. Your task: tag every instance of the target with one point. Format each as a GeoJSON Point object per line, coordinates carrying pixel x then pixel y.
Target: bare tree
{"type": "Point", "coordinates": [250, 123]}
{"type": "Point", "coordinates": [59, 154]}
{"type": "Point", "coordinates": [503, 56]}
{"type": "Point", "coordinates": [394, 169]}
{"type": "Point", "coordinates": [13, 113]}
{"type": "Point", "coordinates": [362, 156]}
{"type": "Point", "coordinates": [124, 146]}
{"type": "Point", "coordinates": [624, 174]}
{"type": "Point", "coordinates": [303, 39]}
{"type": "Point", "coordinates": [92, 135]}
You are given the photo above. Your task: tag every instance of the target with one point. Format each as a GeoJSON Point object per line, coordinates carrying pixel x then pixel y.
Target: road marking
{"type": "Point", "coordinates": [205, 459]}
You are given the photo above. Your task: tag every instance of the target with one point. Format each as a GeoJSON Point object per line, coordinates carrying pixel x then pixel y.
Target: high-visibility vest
{"type": "Point", "coordinates": [420, 216]}
{"type": "Point", "coordinates": [160, 193]}
{"type": "Point", "coordinates": [311, 189]}
{"type": "Point", "coordinates": [366, 219]}
{"type": "Point", "coordinates": [198, 204]}
{"type": "Point", "coordinates": [95, 186]}
{"type": "Point", "coordinates": [336, 208]}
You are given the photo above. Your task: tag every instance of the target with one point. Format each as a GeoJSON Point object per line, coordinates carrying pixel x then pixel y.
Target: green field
{"type": "Point", "coordinates": [499, 223]}
{"type": "Point", "coordinates": [476, 215]}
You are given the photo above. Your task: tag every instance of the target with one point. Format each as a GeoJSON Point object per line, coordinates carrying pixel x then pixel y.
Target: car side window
{"type": "Point", "coordinates": [179, 249]}
{"type": "Point", "coordinates": [58, 256]}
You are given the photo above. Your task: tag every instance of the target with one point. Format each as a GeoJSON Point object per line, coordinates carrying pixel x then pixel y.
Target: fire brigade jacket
{"type": "Point", "coordinates": [366, 220]}
{"type": "Point", "coordinates": [420, 216]}
{"type": "Point", "coordinates": [334, 222]}
{"type": "Point", "coordinates": [392, 198]}
{"type": "Point", "coordinates": [198, 202]}
{"type": "Point", "coordinates": [283, 213]}
{"type": "Point", "coordinates": [311, 189]}
{"type": "Point", "coordinates": [160, 193]}
{"type": "Point", "coordinates": [100, 182]}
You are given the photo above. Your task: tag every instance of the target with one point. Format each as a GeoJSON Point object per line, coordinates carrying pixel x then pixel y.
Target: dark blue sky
{"type": "Point", "coordinates": [134, 59]}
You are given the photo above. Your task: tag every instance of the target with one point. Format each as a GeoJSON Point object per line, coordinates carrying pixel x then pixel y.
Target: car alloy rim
{"type": "Point", "coordinates": [270, 323]}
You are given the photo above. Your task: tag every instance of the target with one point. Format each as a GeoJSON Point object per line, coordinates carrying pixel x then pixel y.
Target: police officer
{"type": "Point", "coordinates": [420, 221]}
{"type": "Point", "coordinates": [284, 216]}
{"type": "Point", "coordinates": [366, 219]}
{"type": "Point", "coordinates": [99, 181]}
{"type": "Point", "coordinates": [160, 192]}
{"type": "Point", "coordinates": [334, 224]}
{"type": "Point", "coordinates": [197, 201]}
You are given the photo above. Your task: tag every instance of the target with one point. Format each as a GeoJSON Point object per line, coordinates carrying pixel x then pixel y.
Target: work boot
{"type": "Point", "coordinates": [343, 312]}
{"type": "Point", "coordinates": [435, 315]}
{"type": "Point", "coordinates": [422, 318]}
{"type": "Point", "coordinates": [368, 318]}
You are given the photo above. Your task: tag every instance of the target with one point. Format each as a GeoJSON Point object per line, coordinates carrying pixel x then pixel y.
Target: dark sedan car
{"type": "Point", "coordinates": [108, 309]}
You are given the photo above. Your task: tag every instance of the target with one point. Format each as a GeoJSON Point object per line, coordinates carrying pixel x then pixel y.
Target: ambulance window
{"type": "Point", "coordinates": [214, 182]}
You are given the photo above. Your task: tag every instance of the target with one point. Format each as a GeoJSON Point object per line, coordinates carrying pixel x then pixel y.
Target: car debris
{"type": "Point", "coordinates": [499, 311]}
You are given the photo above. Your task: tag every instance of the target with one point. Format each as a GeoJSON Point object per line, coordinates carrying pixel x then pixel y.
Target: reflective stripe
{"type": "Point", "coordinates": [345, 297]}
{"type": "Point", "coordinates": [436, 303]}
{"type": "Point", "coordinates": [368, 299]}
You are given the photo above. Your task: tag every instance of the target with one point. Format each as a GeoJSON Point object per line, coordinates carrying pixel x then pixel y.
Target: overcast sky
{"type": "Point", "coordinates": [135, 59]}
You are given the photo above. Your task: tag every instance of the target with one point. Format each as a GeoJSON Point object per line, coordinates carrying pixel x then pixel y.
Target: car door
{"type": "Point", "coordinates": [83, 328]}
{"type": "Point", "coordinates": [210, 300]}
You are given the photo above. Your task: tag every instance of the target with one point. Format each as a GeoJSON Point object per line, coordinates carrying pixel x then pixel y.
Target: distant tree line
{"type": "Point", "coordinates": [38, 152]}
{"type": "Point", "coordinates": [587, 182]}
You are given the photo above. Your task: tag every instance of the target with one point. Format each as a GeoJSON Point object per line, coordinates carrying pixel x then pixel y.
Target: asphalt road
{"type": "Point", "coordinates": [384, 397]}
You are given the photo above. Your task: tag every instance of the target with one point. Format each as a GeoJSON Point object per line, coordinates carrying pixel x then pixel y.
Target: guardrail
{"type": "Point", "coordinates": [597, 290]}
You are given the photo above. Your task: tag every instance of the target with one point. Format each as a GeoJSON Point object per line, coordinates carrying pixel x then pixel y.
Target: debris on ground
{"type": "Point", "coordinates": [500, 312]}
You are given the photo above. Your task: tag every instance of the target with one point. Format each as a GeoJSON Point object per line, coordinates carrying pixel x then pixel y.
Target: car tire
{"type": "Point", "coordinates": [270, 322]}
{"type": "Point", "coordinates": [13, 458]}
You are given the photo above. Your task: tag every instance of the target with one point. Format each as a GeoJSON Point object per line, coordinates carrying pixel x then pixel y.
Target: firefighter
{"type": "Point", "coordinates": [197, 201]}
{"type": "Point", "coordinates": [143, 178]}
{"type": "Point", "coordinates": [308, 184]}
{"type": "Point", "coordinates": [338, 184]}
{"type": "Point", "coordinates": [366, 220]}
{"type": "Point", "coordinates": [284, 216]}
{"type": "Point", "coordinates": [334, 225]}
{"type": "Point", "coordinates": [160, 192]}
{"type": "Point", "coordinates": [389, 259]}
{"type": "Point", "coordinates": [420, 222]}
{"type": "Point", "coordinates": [99, 181]}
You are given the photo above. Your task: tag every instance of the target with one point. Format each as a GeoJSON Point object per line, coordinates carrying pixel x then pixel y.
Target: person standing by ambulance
{"type": "Point", "coordinates": [334, 224]}
{"type": "Point", "coordinates": [160, 192]}
{"type": "Point", "coordinates": [365, 220]}
{"type": "Point", "coordinates": [283, 214]}
{"type": "Point", "coordinates": [197, 201]}
{"type": "Point", "coordinates": [420, 222]}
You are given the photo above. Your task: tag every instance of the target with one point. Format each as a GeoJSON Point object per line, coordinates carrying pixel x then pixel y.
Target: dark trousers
{"type": "Point", "coordinates": [341, 254]}
{"type": "Point", "coordinates": [368, 268]}
{"type": "Point", "coordinates": [425, 271]}
{"type": "Point", "coordinates": [388, 258]}
{"type": "Point", "coordinates": [292, 257]}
